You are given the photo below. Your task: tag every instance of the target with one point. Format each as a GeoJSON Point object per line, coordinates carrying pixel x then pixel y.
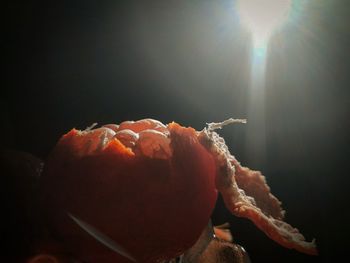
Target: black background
{"type": "Point", "coordinates": [72, 63]}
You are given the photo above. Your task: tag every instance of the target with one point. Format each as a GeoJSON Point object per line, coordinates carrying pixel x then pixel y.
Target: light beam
{"type": "Point", "coordinates": [262, 18]}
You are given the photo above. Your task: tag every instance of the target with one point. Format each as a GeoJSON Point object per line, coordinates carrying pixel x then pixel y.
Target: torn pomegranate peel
{"type": "Point", "coordinates": [151, 188]}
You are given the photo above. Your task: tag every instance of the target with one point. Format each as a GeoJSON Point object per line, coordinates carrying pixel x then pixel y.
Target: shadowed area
{"type": "Point", "coordinates": [73, 63]}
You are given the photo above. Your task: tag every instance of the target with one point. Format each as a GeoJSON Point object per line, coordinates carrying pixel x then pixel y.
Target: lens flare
{"type": "Point", "coordinates": [262, 17]}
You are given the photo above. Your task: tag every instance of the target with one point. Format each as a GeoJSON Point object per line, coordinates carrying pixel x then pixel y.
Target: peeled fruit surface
{"type": "Point", "coordinates": [152, 192]}
{"type": "Point", "coordinates": [149, 189]}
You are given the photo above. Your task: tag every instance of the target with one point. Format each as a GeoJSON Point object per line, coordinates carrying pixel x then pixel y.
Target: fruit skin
{"type": "Point", "coordinates": [154, 208]}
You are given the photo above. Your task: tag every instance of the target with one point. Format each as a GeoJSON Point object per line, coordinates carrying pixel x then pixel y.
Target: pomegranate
{"type": "Point", "coordinates": [144, 191]}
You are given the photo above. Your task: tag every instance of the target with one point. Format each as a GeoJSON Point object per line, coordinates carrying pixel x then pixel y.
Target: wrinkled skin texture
{"type": "Point", "coordinates": [261, 207]}
{"type": "Point", "coordinates": [152, 188]}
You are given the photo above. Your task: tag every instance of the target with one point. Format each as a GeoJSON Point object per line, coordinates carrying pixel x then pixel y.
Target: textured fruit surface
{"type": "Point", "coordinates": [144, 191]}
{"type": "Point", "coordinates": [152, 193]}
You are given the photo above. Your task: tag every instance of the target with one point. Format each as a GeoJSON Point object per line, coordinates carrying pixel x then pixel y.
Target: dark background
{"type": "Point", "coordinates": [72, 63]}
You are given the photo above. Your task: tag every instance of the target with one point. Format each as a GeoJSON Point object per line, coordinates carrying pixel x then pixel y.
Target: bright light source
{"type": "Point", "coordinates": [263, 16]}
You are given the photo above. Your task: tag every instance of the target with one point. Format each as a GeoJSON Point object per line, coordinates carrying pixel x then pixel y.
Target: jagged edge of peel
{"type": "Point", "coordinates": [241, 204]}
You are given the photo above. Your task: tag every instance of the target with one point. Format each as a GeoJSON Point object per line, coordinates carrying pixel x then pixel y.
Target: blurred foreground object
{"type": "Point", "coordinates": [215, 245]}
{"type": "Point", "coordinates": [24, 234]}
{"type": "Point", "coordinates": [20, 220]}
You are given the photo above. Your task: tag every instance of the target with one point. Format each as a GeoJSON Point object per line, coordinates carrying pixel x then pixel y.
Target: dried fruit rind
{"type": "Point", "coordinates": [266, 213]}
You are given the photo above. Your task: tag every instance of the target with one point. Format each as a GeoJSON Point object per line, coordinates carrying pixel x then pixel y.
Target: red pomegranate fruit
{"type": "Point", "coordinates": [144, 191]}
